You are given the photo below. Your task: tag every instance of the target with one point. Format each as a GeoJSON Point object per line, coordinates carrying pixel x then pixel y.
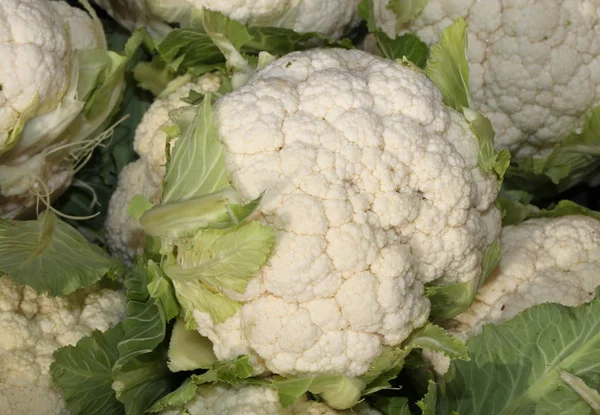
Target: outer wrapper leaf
{"type": "Point", "coordinates": [84, 374]}
{"type": "Point", "coordinates": [450, 300]}
{"type": "Point", "coordinates": [571, 161]}
{"type": "Point", "coordinates": [144, 327]}
{"type": "Point", "coordinates": [196, 166]}
{"type": "Point", "coordinates": [516, 367]}
{"type": "Point", "coordinates": [515, 212]}
{"type": "Point", "coordinates": [51, 256]}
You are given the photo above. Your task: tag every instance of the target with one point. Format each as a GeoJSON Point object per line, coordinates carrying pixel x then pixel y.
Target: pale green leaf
{"type": "Point", "coordinates": [449, 300]}
{"type": "Point", "coordinates": [176, 399]}
{"type": "Point", "coordinates": [84, 374]}
{"type": "Point", "coordinates": [193, 295]}
{"type": "Point", "coordinates": [436, 339]}
{"type": "Point", "coordinates": [515, 367]}
{"type": "Point", "coordinates": [405, 10]}
{"type": "Point", "coordinates": [196, 166]}
{"type": "Point", "coordinates": [188, 350]}
{"type": "Point", "coordinates": [406, 46]}
{"type": "Point", "coordinates": [448, 67]}
{"type": "Point", "coordinates": [223, 258]}
{"type": "Point", "coordinates": [145, 325]}
{"type": "Point", "coordinates": [138, 206]}
{"type": "Point", "coordinates": [51, 256]}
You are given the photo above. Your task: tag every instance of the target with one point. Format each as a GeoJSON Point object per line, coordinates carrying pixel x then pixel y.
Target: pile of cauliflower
{"type": "Point", "coordinates": [377, 193]}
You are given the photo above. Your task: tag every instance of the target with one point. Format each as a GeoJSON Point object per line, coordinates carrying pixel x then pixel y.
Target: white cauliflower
{"type": "Point", "coordinates": [49, 117]}
{"type": "Point", "coordinates": [331, 17]}
{"type": "Point", "coordinates": [124, 235]}
{"type": "Point", "coordinates": [535, 64]}
{"type": "Point", "coordinates": [256, 400]}
{"type": "Point", "coordinates": [373, 188]}
{"type": "Point", "coordinates": [33, 326]}
{"type": "Point", "coordinates": [542, 260]}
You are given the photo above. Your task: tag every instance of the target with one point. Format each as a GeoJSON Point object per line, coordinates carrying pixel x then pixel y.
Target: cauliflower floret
{"type": "Point", "coordinates": [150, 140]}
{"type": "Point", "coordinates": [372, 187]}
{"type": "Point", "coordinates": [124, 235]}
{"type": "Point", "coordinates": [541, 261]}
{"type": "Point", "coordinates": [33, 326]}
{"type": "Point", "coordinates": [256, 400]}
{"type": "Point", "coordinates": [534, 65]}
{"type": "Point", "coordinates": [331, 17]}
{"type": "Point", "coordinates": [35, 68]}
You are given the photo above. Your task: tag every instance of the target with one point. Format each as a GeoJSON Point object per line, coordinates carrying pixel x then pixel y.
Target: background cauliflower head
{"type": "Point", "coordinates": [255, 400]}
{"type": "Point", "coordinates": [33, 326]}
{"type": "Point", "coordinates": [331, 17]}
{"type": "Point", "coordinates": [124, 235]}
{"type": "Point", "coordinates": [373, 188]}
{"type": "Point", "coordinates": [534, 64]}
{"type": "Point", "coordinates": [542, 260]}
{"type": "Point", "coordinates": [52, 108]}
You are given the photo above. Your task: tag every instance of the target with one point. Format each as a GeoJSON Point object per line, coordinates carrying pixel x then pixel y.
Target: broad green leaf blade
{"type": "Point", "coordinates": [234, 31]}
{"type": "Point", "coordinates": [176, 399]}
{"type": "Point", "coordinates": [488, 159]}
{"type": "Point", "coordinates": [436, 339]}
{"type": "Point", "coordinates": [161, 290]}
{"type": "Point", "coordinates": [450, 300]}
{"type": "Point", "coordinates": [51, 256]}
{"type": "Point", "coordinates": [238, 370]}
{"type": "Point", "coordinates": [515, 367]}
{"type": "Point", "coordinates": [397, 405]}
{"type": "Point", "coordinates": [429, 401]}
{"type": "Point", "coordinates": [196, 166]}
{"type": "Point", "coordinates": [84, 374]}
{"type": "Point", "coordinates": [141, 382]}
{"type": "Point", "coordinates": [448, 67]}
{"type": "Point", "coordinates": [145, 325]}
{"type": "Point", "coordinates": [407, 46]}
{"type": "Point", "coordinates": [190, 51]}
{"type": "Point", "coordinates": [223, 258]}
{"type": "Point", "coordinates": [515, 209]}
{"type": "Point", "coordinates": [193, 295]}
{"type": "Point", "coordinates": [188, 350]}
{"type": "Point", "coordinates": [405, 10]}
{"type": "Point", "coordinates": [290, 390]}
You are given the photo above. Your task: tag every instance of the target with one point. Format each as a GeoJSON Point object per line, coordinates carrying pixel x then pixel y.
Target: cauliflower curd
{"type": "Point", "coordinates": [33, 326]}
{"type": "Point", "coordinates": [534, 65]}
{"type": "Point", "coordinates": [541, 261]}
{"type": "Point", "coordinates": [373, 188]}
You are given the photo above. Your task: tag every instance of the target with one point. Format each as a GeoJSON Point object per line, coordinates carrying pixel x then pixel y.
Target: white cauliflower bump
{"type": "Point", "coordinates": [535, 64]}
{"type": "Point", "coordinates": [330, 17]}
{"type": "Point", "coordinates": [124, 235]}
{"type": "Point", "coordinates": [542, 260]}
{"type": "Point", "coordinates": [256, 400]}
{"type": "Point", "coordinates": [372, 187]}
{"type": "Point", "coordinates": [51, 113]}
{"type": "Point", "coordinates": [33, 326]}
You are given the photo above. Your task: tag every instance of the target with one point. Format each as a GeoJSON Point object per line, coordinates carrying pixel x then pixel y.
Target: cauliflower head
{"type": "Point", "coordinates": [124, 235]}
{"type": "Point", "coordinates": [255, 400]}
{"type": "Point", "coordinates": [331, 17]}
{"type": "Point", "coordinates": [542, 261]}
{"type": "Point", "coordinates": [33, 326]}
{"type": "Point", "coordinates": [50, 118]}
{"type": "Point", "coordinates": [373, 188]}
{"type": "Point", "coordinates": [534, 63]}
